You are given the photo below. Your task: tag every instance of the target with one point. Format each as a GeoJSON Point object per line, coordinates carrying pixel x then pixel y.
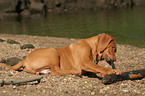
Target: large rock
{"type": "Point", "coordinates": [11, 61]}
{"type": "Point", "coordinates": [1, 40]}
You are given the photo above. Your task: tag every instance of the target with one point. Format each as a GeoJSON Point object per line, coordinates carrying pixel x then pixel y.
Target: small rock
{"type": "Point", "coordinates": [5, 91]}
{"type": "Point", "coordinates": [3, 61]}
{"type": "Point", "coordinates": [27, 50]}
{"type": "Point", "coordinates": [92, 93]}
{"type": "Point", "coordinates": [25, 46]}
{"type": "Point", "coordinates": [101, 91]}
{"type": "Point", "coordinates": [1, 40]}
{"type": "Point", "coordinates": [24, 57]}
{"type": "Point", "coordinates": [106, 88]}
{"type": "Point", "coordinates": [14, 87]}
{"type": "Point", "coordinates": [9, 74]}
{"type": "Point", "coordinates": [66, 92]}
{"type": "Point", "coordinates": [12, 41]}
{"type": "Point", "coordinates": [125, 90]}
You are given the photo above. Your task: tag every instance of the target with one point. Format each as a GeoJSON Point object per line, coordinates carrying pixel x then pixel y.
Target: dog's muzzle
{"type": "Point", "coordinates": [111, 62]}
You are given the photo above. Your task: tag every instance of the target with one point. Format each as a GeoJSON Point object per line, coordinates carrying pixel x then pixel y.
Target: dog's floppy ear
{"type": "Point", "coordinates": [104, 40]}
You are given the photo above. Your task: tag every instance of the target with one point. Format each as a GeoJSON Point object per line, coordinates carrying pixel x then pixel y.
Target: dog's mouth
{"type": "Point", "coordinates": [110, 62]}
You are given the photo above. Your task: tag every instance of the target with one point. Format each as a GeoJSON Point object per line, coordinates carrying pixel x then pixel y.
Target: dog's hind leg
{"type": "Point", "coordinates": [56, 71]}
{"type": "Point", "coordinates": [44, 71]}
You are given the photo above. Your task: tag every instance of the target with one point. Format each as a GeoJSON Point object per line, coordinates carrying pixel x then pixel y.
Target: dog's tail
{"type": "Point", "coordinates": [15, 67]}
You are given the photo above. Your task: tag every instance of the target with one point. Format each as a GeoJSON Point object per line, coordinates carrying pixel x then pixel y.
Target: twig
{"type": "Point", "coordinates": [14, 82]}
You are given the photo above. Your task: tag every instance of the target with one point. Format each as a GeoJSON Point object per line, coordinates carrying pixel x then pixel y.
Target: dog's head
{"type": "Point", "coordinates": [107, 49]}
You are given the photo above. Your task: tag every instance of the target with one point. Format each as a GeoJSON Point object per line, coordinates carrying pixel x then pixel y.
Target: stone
{"type": "Point", "coordinates": [12, 41]}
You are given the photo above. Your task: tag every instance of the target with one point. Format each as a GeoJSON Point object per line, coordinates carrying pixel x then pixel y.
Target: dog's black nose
{"type": "Point", "coordinates": [112, 64]}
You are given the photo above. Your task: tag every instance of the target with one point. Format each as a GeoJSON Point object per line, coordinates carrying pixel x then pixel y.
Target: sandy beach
{"type": "Point", "coordinates": [128, 58]}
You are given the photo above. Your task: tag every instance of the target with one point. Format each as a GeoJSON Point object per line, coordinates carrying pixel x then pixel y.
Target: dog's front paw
{"type": "Point", "coordinates": [114, 71]}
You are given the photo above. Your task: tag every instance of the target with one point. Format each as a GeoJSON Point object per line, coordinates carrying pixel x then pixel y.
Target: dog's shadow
{"type": "Point", "coordinates": [91, 75]}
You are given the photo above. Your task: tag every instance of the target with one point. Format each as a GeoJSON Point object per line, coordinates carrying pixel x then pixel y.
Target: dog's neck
{"type": "Point", "coordinates": [93, 42]}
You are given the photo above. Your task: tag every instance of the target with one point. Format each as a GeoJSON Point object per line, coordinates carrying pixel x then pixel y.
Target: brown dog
{"type": "Point", "coordinates": [81, 55]}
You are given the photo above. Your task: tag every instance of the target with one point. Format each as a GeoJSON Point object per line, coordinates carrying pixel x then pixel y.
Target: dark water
{"type": "Point", "coordinates": [126, 26]}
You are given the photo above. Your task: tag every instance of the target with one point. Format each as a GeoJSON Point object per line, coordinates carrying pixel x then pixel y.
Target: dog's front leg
{"type": "Point", "coordinates": [92, 67]}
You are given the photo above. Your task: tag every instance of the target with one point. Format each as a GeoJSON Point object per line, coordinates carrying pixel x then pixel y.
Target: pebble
{"type": "Point", "coordinates": [126, 90]}
{"type": "Point", "coordinates": [93, 93]}
{"type": "Point", "coordinates": [5, 91]}
{"type": "Point", "coordinates": [65, 91]}
{"type": "Point", "coordinates": [9, 74]}
{"type": "Point", "coordinates": [14, 87]}
{"type": "Point", "coordinates": [101, 91]}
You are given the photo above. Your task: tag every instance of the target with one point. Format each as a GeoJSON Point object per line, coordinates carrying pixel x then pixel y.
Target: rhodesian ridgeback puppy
{"type": "Point", "coordinates": [73, 59]}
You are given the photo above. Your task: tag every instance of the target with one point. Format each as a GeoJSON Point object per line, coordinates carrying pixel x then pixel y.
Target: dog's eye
{"type": "Point", "coordinates": [113, 47]}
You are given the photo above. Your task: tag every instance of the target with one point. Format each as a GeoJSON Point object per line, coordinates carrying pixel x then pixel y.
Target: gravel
{"type": "Point", "coordinates": [128, 58]}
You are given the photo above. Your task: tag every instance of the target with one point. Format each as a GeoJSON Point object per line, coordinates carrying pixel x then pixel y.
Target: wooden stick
{"type": "Point", "coordinates": [131, 75]}
{"type": "Point", "coordinates": [7, 82]}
